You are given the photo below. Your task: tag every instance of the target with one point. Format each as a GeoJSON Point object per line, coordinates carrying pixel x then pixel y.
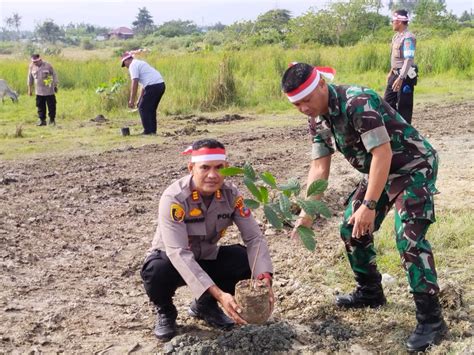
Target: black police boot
{"type": "Point", "coordinates": [52, 122]}
{"type": "Point", "coordinates": [41, 123]}
{"type": "Point", "coordinates": [368, 293]}
{"type": "Point", "coordinates": [206, 308]}
{"type": "Point", "coordinates": [431, 327]}
{"type": "Point", "coordinates": [165, 327]}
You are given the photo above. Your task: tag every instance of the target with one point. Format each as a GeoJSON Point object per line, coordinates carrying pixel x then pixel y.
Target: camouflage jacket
{"type": "Point", "coordinates": [360, 120]}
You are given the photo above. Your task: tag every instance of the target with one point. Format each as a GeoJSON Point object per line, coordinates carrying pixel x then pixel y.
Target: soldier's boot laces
{"type": "Point", "coordinates": [211, 313]}
{"type": "Point", "coordinates": [165, 327]}
{"type": "Point", "coordinates": [368, 293]}
{"type": "Point", "coordinates": [431, 327]}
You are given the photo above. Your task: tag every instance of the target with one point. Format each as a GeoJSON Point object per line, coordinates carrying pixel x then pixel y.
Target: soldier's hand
{"type": "Point", "coordinates": [306, 221]}
{"type": "Point", "coordinates": [231, 307]}
{"type": "Point", "coordinates": [363, 222]}
{"type": "Point", "coordinates": [131, 104]}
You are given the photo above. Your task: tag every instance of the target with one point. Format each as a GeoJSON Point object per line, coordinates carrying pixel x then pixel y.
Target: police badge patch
{"type": "Point", "coordinates": [177, 212]}
{"type": "Point", "coordinates": [195, 212]}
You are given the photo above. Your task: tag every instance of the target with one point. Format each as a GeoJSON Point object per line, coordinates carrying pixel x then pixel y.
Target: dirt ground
{"type": "Point", "coordinates": [74, 231]}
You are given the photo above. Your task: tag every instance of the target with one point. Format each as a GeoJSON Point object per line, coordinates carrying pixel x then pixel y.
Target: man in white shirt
{"type": "Point", "coordinates": [153, 88]}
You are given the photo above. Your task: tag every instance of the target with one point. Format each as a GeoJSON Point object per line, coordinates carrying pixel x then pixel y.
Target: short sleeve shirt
{"type": "Point", "coordinates": [360, 120]}
{"type": "Point", "coordinates": [145, 73]}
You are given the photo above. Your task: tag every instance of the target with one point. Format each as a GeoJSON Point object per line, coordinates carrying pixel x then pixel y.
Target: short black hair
{"type": "Point", "coordinates": [295, 75]}
{"type": "Point", "coordinates": [402, 12]}
{"type": "Point", "coordinates": [35, 56]}
{"type": "Point", "coordinates": [207, 143]}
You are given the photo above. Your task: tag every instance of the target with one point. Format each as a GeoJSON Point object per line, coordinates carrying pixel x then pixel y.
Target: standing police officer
{"type": "Point", "coordinates": [43, 77]}
{"type": "Point", "coordinates": [194, 214]}
{"type": "Point", "coordinates": [400, 168]}
{"type": "Point", "coordinates": [402, 77]}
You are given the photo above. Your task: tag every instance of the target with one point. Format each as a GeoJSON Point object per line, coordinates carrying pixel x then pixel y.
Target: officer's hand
{"type": "Point", "coordinates": [56, 89]}
{"type": "Point", "coordinates": [231, 307]}
{"type": "Point", "coordinates": [397, 84]}
{"type": "Point", "coordinates": [363, 222]}
{"type": "Point", "coordinates": [306, 221]}
{"type": "Point", "coordinates": [131, 104]}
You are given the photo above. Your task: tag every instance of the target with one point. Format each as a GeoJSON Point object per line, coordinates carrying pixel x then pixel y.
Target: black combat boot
{"type": "Point", "coordinates": [368, 293]}
{"type": "Point", "coordinates": [52, 122]}
{"type": "Point", "coordinates": [41, 122]}
{"type": "Point", "coordinates": [207, 309]}
{"type": "Point", "coordinates": [165, 327]}
{"type": "Point", "coordinates": [431, 327]}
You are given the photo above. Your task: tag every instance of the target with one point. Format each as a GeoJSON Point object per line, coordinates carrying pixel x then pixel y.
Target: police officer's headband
{"type": "Point", "coordinates": [205, 154]}
{"type": "Point", "coordinates": [397, 17]}
{"type": "Point", "coordinates": [311, 83]}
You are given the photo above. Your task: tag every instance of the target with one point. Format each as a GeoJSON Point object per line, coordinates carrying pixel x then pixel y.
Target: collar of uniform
{"type": "Point", "coordinates": [333, 103]}
{"type": "Point", "coordinates": [197, 198]}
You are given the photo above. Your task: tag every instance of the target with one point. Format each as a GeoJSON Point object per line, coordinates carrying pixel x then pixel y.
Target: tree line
{"type": "Point", "coordinates": [339, 23]}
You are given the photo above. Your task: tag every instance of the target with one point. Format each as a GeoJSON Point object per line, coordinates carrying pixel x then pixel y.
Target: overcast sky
{"type": "Point", "coordinates": [115, 13]}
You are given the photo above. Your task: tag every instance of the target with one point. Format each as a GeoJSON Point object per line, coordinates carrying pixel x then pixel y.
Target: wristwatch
{"type": "Point", "coordinates": [371, 204]}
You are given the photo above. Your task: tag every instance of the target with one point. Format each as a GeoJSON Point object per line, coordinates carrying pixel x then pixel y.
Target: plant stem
{"type": "Point", "coordinates": [254, 263]}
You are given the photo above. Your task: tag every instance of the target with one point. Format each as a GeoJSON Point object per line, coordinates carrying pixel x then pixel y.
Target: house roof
{"type": "Point", "coordinates": [122, 30]}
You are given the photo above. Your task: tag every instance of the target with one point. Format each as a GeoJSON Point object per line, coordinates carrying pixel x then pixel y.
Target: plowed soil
{"type": "Point", "coordinates": [74, 231]}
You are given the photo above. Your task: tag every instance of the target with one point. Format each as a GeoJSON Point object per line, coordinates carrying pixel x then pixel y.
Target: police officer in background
{"type": "Point", "coordinates": [194, 214]}
{"type": "Point", "coordinates": [399, 167]}
{"type": "Point", "coordinates": [402, 78]}
{"type": "Point", "coordinates": [43, 77]}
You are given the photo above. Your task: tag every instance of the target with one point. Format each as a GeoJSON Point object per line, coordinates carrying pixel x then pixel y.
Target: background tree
{"type": "Point", "coordinates": [177, 28]}
{"type": "Point", "coordinates": [273, 19]}
{"type": "Point", "coordinates": [465, 17]}
{"type": "Point", "coordinates": [13, 23]}
{"type": "Point", "coordinates": [48, 31]}
{"type": "Point", "coordinates": [433, 13]}
{"type": "Point", "coordinates": [408, 5]}
{"type": "Point", "coordinates": [144, 22]}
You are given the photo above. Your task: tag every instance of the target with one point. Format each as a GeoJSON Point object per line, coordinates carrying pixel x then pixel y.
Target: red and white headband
{"type": "Point", "coordinates": [205, 154]}
{"type": "Point", "coordinates": [397, 17]}
{"type": "Point", "coordinates": [311, 83]}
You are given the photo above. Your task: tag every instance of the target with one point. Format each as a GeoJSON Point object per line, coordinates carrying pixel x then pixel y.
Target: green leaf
{"type": "Point", "coordinates": [307, 237]}
{"type": "Point", "coordinates": [264, 193]}
{"type": "Point", "coordinates": [317, 187]}
{"type": "Point", "coordinates": [285, 204]}
{"type": "Point", "coordinates": [231, 171]}
{"type": "Point", "coordinates": [249, 172]}
{"type": "Point", "coordinates": [252, 204]}
{"type": "Point", "coordinates": [314, 207]}
{"type": "Point", "coordinates": [269, 179]}
{"type": "Point", "coordinates": [272, 217]}
{"type": "Point", "coordinates": [293, 186]}
{"type": "Point", "coordinates": [252, 188]}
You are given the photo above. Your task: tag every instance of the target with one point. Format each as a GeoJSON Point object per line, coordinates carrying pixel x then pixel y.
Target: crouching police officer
{"type": "Point", "coordinates": [194, 213]}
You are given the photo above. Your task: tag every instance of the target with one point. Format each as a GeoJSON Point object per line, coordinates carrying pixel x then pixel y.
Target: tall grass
{"type": "Point", "coordinates": [250, 78]}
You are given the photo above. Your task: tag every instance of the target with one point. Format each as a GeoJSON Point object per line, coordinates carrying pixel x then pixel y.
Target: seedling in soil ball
{"type": "Point", "coordinates": [276, 200]}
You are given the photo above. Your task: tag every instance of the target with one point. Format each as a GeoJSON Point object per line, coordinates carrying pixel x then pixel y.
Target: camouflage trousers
{"type": "Point", "coordinates": [414, 212]}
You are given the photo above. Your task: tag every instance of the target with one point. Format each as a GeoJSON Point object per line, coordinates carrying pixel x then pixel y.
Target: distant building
{"type": "Point", "coordinates": [121, 33]}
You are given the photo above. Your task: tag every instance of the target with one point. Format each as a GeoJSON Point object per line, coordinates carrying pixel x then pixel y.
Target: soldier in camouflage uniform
{"type": "Point", "coordinates": [399, 167]}
{"type": "Point", "coordinates": [402, 77]}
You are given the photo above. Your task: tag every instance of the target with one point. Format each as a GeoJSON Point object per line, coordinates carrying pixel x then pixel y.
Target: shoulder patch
{"type": "Point", "coordinates": [177, 212]}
